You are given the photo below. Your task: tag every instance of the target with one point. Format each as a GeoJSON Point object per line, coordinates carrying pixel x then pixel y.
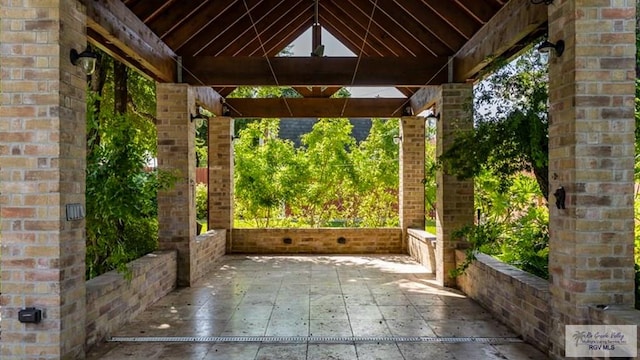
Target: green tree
{"type": "Point", "coordinates": [267, 172]}
{"type": "Point", "coordinates": [511, 127]}
{"type": "Point", "coordinates": [330, 170]}
{"type": "Point", "coordinates": [377, 166]}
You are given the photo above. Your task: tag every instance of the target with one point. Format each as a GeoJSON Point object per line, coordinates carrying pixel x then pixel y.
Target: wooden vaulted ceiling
{"type": "Point", "coordinates": [228, 43]}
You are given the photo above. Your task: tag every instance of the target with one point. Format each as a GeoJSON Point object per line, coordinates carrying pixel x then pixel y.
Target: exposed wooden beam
{"type": "Point", "coordinates": [136, 44]}
{"type": "Point", "coordinates": [316, 107]}
{"type": "Point", "coordinates": [208, 98]}
{"type": "Point", "coordinates": [516, 21]}
{"type": "Point", "coordinates": [424, 98]}
{"type": "Point", "coordinates": [314, 71]}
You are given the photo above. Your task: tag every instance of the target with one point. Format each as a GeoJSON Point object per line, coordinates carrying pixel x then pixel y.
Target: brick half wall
{"type": "Point", "coordinates": [207, 250]}
{"type": "Point", "coordinates": [113, 301]}
{"type": "Point", "coordinates": [422, 248]}
{"type": "Point", "coordinates": [516, 298]}
{"type": "Point", "coordinates": [317, 241]}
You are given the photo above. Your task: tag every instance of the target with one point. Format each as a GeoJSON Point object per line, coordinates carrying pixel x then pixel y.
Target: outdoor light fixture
{"type": "Point", "coordinates": [432, 118]}
{"type": "Point", "coordinates": [407, 111]}
{"type": "Point", "coordinates": [397, 139]}
{"type": "Point", "coordinates": [547, 46]}
{"type": "Point", "coordinates": [199, 117]}
{"type": "Point", "coordinates": [537, 2]}
{"type": "Point", "coordinates": [86, 60]}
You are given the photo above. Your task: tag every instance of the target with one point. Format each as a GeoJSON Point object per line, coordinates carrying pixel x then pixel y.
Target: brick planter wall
{"type": "Point", "coordinates": [422, 248]}
{"type": "Point", "coordinates": [209, 247]}
{"type": "Point", "coordinates": [112, 301]}
{"type": "Point", "coordinates": [318, 241]}
{"type": "Point", "coordinates": [518, 299]}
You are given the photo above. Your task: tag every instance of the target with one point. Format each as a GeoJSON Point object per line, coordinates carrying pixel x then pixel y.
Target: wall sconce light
{"type": "Point", "coordinates": [199, 117]}
{"type": "Point", "coordinates": [547, 46]}
{"type": "Point", "coordinates": [537, 2]}
{"type": "Point", "coordinates": [86, 59]}
{"type": "Point", "coordinates": [432, 119]}
{"type": "Point", "coordinates": [235, 138]}
{"type": "Point", "coordinates": [225, 110]}
{"type": "Point", "coordinates": [397, 139]}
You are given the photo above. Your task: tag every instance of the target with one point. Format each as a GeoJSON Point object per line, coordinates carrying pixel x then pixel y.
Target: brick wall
{"type": "Point", "coordinates": [591, 155]}
{"type": "Point", "coordinates": [318, 241]}
{"type": "Point", "coordinates": [176, 153]}
{"type": "Point", "coordinates": [112, 301]}
{"type": "Point", "coordinates": [220, 174]}
{"type": "Point", "coordinates": [421, 246]}
{"type": "Point", "coordinates": [454, 205]}
{"type": "Point", "coordinates": [42, 154]}
{"type": "Point", "coordinates": [208, 248]}
{"type": "Point", "coordinates": [615, 315]}
{"type": "Point", "coordinates": [411, 187]}
{"type": "Point", "coordinates": [518, 299]}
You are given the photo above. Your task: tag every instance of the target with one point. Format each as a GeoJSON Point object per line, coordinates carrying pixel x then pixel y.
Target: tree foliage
{"type": "Point", "coordinates": [121, 192]}
{"type": "Point", "coordinates": [511, 125]}
{"type": "Point", "coordinates": [329, 180]}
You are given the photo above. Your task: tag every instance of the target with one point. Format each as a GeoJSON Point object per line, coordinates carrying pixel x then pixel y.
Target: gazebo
{"type": "Point", "coordinates": [432, 51]}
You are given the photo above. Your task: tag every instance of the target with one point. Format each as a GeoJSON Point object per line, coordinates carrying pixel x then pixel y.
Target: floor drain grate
{"type": "Point", "coordinates": [317, 339]}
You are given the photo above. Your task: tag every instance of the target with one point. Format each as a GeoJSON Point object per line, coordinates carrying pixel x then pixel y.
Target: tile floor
{"type": "Point", "coordinates": [315, 296]}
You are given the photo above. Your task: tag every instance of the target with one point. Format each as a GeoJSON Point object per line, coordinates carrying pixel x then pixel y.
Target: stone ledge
{"type": "Point", "coordinates": [112, 301]}
{"type": "Point", "coordinates": [207, 250]}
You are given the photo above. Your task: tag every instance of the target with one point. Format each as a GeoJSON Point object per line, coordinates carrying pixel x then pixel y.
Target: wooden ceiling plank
{"type": "Point", "coordinates": [146, 10]}
{"type": "Point", "coordinates": [347, 36]}
{"type": "Point", "coordinates": [316, 107]}
{"type": "Point", "coordinates": [513, 23]}
{"type": "Point", "coordinates": [441, 42]}
{"type": "Point", "coordinates": [352, 18]}
{"type": "Point", "coordinates": [277, 43]}
{"type": "Point", "coordinates": [174, 16]}
{"type": "Point", "coordinates": [382, 29]}
{"type": "Point", "coordinates": [186, 39]}
{"type": "Point", "coordinates": [120, 27]}
{"type": "Point", "coordinates": [243, 32]}
{"type": "Point", "coordinates": [313, 71]}
{"type": "Point", "coordinates": [476, 8]}
{"type": "Point", "coordinates": [461, 21]}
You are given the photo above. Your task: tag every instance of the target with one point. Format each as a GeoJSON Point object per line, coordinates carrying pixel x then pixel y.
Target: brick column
{"type": "Point", "coordinates": [43, 159]}
{"type": "Point", "coordinates": [221, 175]}
{"type": "Point", "coordinates": [176, 153]}
{"type": "Point", "coordinates": [591, 155]}
{"type": "Point", "coordinates": [411, 192]}
{"type": "Point", "coordinates": [454, 199]}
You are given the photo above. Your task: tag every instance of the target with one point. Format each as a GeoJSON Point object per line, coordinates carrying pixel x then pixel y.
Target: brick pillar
{"type": "Point", "coordinates": [221, 175]}
{"type": "Point", "coordinates": [591, 155]}
{"type": "Point", "coordinates": [176, 153]}
{"type": "Point", "coordinates": [454, 199]}
{"type": "Point", "coordinates": [411, 194]}
{"type": "Point", "coordinates": [42, 154]}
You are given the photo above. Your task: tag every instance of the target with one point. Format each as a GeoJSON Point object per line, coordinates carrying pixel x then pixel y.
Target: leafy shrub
{"type": "Point", "coordinates": [202, 194]}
